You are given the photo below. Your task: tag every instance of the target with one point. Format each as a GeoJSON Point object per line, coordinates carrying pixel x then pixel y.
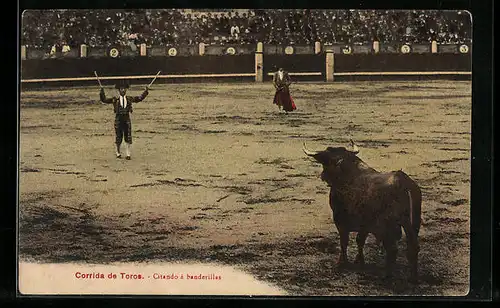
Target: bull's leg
{"type": "Point", "coordinates": [344, 241]}
{"type": "Point", "coordinates": [360, 240]}
{"type": "Point", "coordinates": [412, 247]}
{"type": "Point", "coordinates": [391, 250]}
{"type": "Point", "coordinates": [339, 218]}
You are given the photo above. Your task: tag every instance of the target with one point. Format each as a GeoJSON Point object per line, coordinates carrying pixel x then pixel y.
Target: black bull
{"type": "Point", "coordinates": [364, 200]}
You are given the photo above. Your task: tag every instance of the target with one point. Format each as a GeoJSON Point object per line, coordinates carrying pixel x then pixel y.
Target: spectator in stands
{"type": "Point", "coordinates": [65, 49]}
{"type": "Point", "coordinates": [235, 31]}
{"type": "Point", "coordinates": [132, 41]}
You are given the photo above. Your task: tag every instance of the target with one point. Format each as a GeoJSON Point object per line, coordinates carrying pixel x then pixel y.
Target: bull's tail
{"type": "Point", "coordinates": [414, 195]}
{"type": "Point", "coordinates": [415, 200]}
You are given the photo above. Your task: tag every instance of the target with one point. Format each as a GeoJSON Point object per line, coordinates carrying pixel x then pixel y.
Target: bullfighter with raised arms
{"type": "Point", "coordinates": [122, 105]}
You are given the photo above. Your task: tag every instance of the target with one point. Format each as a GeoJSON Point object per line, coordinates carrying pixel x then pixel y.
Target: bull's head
{"type": "Point", "coordinates": [336, 161]}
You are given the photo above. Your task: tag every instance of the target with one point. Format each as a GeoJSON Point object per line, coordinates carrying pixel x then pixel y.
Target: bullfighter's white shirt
{"type": "Point", "coordinates": [123, 101]}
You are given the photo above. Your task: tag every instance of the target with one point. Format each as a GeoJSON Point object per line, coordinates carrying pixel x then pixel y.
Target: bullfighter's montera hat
{"type": "Point", "coordinates": [122, 84]}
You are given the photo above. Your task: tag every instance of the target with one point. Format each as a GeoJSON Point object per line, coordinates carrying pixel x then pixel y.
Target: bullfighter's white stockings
{"type": "Point", "coordinates": [127, 149]}
{"type": "Point", "coordinates": [118, 150]}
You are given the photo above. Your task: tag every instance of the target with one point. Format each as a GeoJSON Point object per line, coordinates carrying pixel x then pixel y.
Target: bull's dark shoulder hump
{"type": "Point", "coordinates": [364, 166]}
{"type": "Point", "coordinates": [336, 150]}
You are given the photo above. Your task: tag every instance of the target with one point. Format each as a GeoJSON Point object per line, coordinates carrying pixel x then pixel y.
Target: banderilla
{"type": "Point", "coordinates": [154, 79]}
{"type": "Point", "coordinates": [99, 81]}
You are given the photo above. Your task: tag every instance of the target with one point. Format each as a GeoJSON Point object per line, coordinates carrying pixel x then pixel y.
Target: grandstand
{"type": "Point", "coordinates": [172, 40]}
{"type": "Point", "coordinates": [104, 28]}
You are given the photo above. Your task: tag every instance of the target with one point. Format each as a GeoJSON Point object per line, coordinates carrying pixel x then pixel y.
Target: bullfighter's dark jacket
{"type": "Point", "coordinates": [281, 83]}
{"type": "Point", "coordinates": [118, 109]}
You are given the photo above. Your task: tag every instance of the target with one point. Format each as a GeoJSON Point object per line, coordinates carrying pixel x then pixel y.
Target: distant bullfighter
{"type": "Point", "coordinates": [282, 97]}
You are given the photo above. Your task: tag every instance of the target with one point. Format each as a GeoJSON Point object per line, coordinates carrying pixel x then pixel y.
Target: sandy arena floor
{"type": "Point", "coordinates": [218, 175]}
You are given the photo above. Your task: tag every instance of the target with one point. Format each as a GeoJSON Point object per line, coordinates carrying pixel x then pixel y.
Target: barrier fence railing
{"type": "Point", "coordinates": [201, 49]}
{"type": "Point", "coordinates": [423, 73]}
{"type": "Point", "coordinates": [260, 51]}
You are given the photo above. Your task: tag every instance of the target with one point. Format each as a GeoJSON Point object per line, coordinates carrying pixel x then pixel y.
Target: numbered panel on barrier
{"type": "Point", "coordinates": [464, 49]}
{"type": "Point", "coordinates": [289, 50]}
{"type": "Point", "coordinates": [172, 51]}
{"type": "Point", "coordinates": [405, 48]}
{"type": "Point", "coordinates": [230, 51]}
{"type": "Point", "coordinates": [114, 52]}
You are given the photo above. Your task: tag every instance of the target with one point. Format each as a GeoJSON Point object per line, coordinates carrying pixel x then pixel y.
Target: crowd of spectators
{"type": "Point", "coordinates": [104, 28]}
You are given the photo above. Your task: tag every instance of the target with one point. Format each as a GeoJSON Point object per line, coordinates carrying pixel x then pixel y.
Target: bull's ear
{"type": "Point", "coordinates": [353, 147]}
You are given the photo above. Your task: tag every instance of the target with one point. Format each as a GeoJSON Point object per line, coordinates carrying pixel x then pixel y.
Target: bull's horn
{"type": "Point", "coordinates": [355, 148]}
{"type": "Point", "coordinates": [309, 153]}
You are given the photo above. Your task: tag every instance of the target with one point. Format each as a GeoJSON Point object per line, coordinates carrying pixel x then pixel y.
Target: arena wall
{"type": "Point", "coordinates": [242, 66]}
{"type": "Point", "coordinates": [402, 63]}
{"type": "Point", "coordinates": [84, 67]}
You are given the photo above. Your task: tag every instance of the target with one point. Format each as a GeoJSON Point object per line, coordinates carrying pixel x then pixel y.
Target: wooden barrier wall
{"type": "Point", "coordinates": [248, 62]}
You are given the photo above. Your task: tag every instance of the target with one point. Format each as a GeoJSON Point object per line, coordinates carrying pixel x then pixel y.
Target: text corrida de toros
{"type": "Point", "coordinates": [80, 275]}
